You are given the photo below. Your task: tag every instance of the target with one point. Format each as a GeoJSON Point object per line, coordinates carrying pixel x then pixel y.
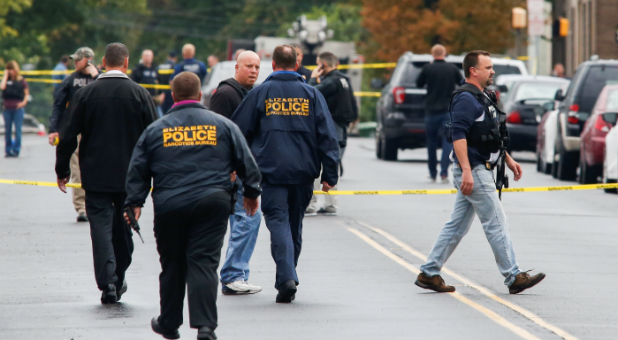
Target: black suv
{"type": "Point", "coordinates": [575, 108]}
{"type": "Point", "coordinates": [400, 112]}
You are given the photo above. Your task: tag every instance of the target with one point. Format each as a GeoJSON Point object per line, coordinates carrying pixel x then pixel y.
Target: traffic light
{"type": "Point", "coordinates": [561, 27]}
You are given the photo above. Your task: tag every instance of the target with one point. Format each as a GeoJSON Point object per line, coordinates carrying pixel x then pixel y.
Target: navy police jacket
{"type": "Point", "coordinates": [290, 130]}
{"type": "Point", "coordinates": [189, 154]}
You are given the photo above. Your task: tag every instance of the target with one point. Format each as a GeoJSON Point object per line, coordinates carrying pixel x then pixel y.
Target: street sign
{"type": "Point", "coordinates": [536, 19]}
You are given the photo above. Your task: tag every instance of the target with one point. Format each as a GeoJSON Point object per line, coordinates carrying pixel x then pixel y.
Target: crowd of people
{"type": "Point", "coordinates": [278, 140]}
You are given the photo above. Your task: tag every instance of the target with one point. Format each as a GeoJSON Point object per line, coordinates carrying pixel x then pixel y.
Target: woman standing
{"type": "Point", "coordinates": [15, 96]}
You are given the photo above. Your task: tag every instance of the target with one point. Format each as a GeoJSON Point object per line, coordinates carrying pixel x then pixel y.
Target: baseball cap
{"type": "Point", "coordinates": [82, 52]}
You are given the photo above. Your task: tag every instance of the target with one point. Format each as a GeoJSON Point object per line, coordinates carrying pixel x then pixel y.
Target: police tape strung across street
{"type": "Point", "coordinates": [380, 192]}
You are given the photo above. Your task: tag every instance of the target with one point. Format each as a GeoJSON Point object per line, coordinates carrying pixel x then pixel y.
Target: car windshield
{"type": "Point", "coordinates": [505, 69]}
{"type": "Point", "coordinates": [597, 77]}
{"type": "Point", "coordinates": [537, 90]}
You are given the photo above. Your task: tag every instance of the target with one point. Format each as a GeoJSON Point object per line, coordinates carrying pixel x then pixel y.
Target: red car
{"type": "Point", "coordinates": [592, 143]}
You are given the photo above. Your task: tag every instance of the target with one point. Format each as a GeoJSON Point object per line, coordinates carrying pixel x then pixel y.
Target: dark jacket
{"type": "Point", "coordinates": [164, 79]}
{"type": "Point", "coordinates": [337, 90]}
{"type": "Point", "coordinates": [227, 97]}
{"type": "Point", "coordinates": [142, 74]}
{"type": "Point", "coordinates": [60, 118]}
{"type": "Point", "coordinates": [110, 114]}
{"type": "Point", "coordinates": [441, 78]}
{"type": "Point", "coordinates": [191, 65]}
{"type": "Point", "coordinates": [290, 131]}
{"type": "Point", "coordinates": [187, 161]}
{"type": "Point", "coordinates": [304, 72]}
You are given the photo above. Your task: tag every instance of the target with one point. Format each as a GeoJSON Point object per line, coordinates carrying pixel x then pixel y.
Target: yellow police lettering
{"type": "Point", "coordinates": [194, 135]}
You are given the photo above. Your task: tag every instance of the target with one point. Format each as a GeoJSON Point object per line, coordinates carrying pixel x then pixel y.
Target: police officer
{"type": "Point", "coordinates": [441, 78]}
{"type": "Point", "coordinates": [477, 141]}
{"type": "Point", "coordinates": [291, 134]}
{"type": "Point", "coordinates": [189, 63]}
{"type": "Point", "coordinates": [165, 71]}
{"type": "Point", "coordinates": [337, 91]}
{"type": "Point", "coordinates": [146, 73]}
{"type": "Point", "coordinates": [243, 228]}
{"type": "Point", "coordinates": [302, 70]}
{"type": "Point", "coordinates": [84, 74]}
{"type": "Point", "coordinates": [110, 114]}
{"type": "Point", "coordinates": [189, 154]}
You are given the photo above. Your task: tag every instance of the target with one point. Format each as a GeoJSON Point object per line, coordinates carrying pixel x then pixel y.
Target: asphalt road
{"type": "Point", "coordinates": [356, 271]}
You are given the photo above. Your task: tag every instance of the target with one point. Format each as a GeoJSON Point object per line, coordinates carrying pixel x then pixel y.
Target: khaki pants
{"type": "Point", "coordinates": [79, 195]}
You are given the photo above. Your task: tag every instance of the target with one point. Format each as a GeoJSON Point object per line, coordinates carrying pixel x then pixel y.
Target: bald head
{"type": "Point", "coordinates": [247, 68]}
{"type": "Point", "coordinates": [147, 57]}
{"type": "Point", "coordinates": [188, 51]}
{"type": "Point", "coordinates": [186, 86]}
{"type": "Point", "coordinates": [438, 51]}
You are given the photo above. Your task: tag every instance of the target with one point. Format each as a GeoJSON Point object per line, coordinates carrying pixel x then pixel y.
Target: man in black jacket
{"type": "Point", "coordinates": [337, 90]}
{"type": "Point", "coordinates": [85, 73]}
{"type": "Point", "coordinates": [243, 228]}
{"type": "Point", "coordinates": [190, 154]}
{"type": "Point", "coordinates": [441, 78]}
{"type": "Point", "coordinates": [146, 73]}
{"type": "Point", "coordinates": [110, 114]}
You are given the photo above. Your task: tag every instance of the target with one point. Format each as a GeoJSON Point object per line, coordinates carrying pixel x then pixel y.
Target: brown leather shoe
{"type": "Point", "coordinates": [524, 281]}
{"type": "Point", "coordinates": [435, 283]}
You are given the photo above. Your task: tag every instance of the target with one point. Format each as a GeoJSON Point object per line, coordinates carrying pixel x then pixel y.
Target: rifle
{"type": "Point", "coordinates": [132, 221]}
{"type": "Point", "coordinates": [502, 180]}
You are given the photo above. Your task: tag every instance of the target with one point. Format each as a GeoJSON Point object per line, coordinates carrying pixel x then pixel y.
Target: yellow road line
{"type": "Point", "coordinates": [493, 316]}
{"type": "Point", "coordinates": [526, 313]}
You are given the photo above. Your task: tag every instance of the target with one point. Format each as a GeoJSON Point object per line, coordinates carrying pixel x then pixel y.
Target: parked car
{"type": "Point", "coordinates": [524, 100]}
{"type": "Point", "coordinates": [226, 69]}
{"type": "Point", "coordinates": [400, 111]}
{"type": "Point", "coordinates": [592, 143]}
{"type": "Point", "coordinates": [573, 111]}
{"type": "Point", "coordinates": [30, 125]}
{"type": "Point", "coordinates": [610, 163]}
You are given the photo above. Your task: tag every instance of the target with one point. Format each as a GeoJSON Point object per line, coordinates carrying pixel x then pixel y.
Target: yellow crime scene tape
{"type": "Point", "coordinates": [378, 192]}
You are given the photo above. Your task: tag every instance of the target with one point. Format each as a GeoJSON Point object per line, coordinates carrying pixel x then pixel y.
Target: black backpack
{"type": "Point", "coordinates": [345, 110]}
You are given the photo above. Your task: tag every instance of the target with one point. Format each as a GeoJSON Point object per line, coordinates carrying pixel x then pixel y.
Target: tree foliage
{"type": "Point", "coordinates": [397, 26]}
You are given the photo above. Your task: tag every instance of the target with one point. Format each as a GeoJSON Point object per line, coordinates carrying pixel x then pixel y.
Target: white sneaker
{"type": "Point", "coordinates": [240, 287]}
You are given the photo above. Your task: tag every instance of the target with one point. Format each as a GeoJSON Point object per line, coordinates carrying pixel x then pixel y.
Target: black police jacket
{"type": "Point", "coordinates": [110, 114]}
{"type": "Point", "coordinates": [290, 131]}
{"type": "Point", "coordinates": [59, 119]}
{"type": "Point", "coordinates": [142, 74]}
{"type": "Point", "coordinates": [441, 79]}
{"type": "Point", "coordinates": [337, 90]}
{"type": "Point", "coordinates": [189, 153]}
{"type": "Point", "coordinates": [227, 97]}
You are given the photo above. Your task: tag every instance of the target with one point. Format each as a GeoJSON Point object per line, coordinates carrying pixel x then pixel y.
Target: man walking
{"type": "Point", "coordinates": [110, 114]}
{"type": "Point", "coordinates": [441, 79]}
{"type": "Point", "coordinates": [337, 91]}
{"type": "Point", "coordinates": [243, 228]}
{"type": "Point", "coordinates": [189, 155]}
{"type": "Point", "coordinates": [477, 138]}
{"type": "Point", "coordinates": [291, 134]}
{"type": "Point", "coordinates": [84, 74]}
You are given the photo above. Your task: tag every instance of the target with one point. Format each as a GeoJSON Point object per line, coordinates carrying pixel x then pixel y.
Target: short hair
{"type": "Point", "coordinates": [64, 59]}
{"type": "Point", "coordinates": [284, 57]}
{"type": "Point", "coordinates": [438, 50]}
{"type": "Point", "coordinates": [186, 85]}
{"type": "Point", "coordinates": [472, 60]}
{"type": "Point", "coordinates": [329, 59]}
{"type": "Point", "coordinates": [115, 54]}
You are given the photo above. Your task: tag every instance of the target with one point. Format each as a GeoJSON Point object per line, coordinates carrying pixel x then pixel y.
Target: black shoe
{"type": "Point", "coordinates": [205, 333]}
{"type": "Point", "coordinates": [166, 333]}
{"type": "Point", "coordinates": [524, 281]}
{"type": "Point", "coordinates": [109, 294]}
{"type": "Point", "coordinates": [121, 290]}
{"type": "Point", "coordinates": [81, 217]}
{"type": "Point", "coordinates": [287, 292]}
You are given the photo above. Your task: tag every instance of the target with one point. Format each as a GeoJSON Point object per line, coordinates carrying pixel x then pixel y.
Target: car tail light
{"type": "Point", "coordinates": [400, 94]}
{"type": "Point", "coordinates": [602, 125]}
{"type": "Point", "coordinates": [572, 115]}
{"type": "Point", "coordinates": [514, 118]}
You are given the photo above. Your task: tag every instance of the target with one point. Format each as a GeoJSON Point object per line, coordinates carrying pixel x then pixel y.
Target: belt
{"type": "Point", "coordinates": [490, 166]}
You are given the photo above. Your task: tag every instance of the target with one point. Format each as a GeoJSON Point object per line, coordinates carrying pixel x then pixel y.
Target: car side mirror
{"type": "Point", "coordinates": [377, 83]}
{"type": "Point", "coordinates": [503, 88]}
{"type": "Point", "coordinates": [559, 96]}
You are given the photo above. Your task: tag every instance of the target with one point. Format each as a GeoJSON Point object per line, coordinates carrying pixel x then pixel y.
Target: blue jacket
{"type": "Point", "coordinates": [191, 65]}
{"type": "Point", "coordinates": [189, 154]}
{"type": "Point", "coordinates": [289, 130]}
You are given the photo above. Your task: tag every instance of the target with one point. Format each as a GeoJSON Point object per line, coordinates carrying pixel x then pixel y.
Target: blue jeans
{"type": "Point", "coordinates": [485, 203]}
{"type": "Point", "coordinates": [243, 234]}
{"type": "Point", "coordinates": [436, 136]}
{"type": "Point", "coordinates": [16, 117]}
